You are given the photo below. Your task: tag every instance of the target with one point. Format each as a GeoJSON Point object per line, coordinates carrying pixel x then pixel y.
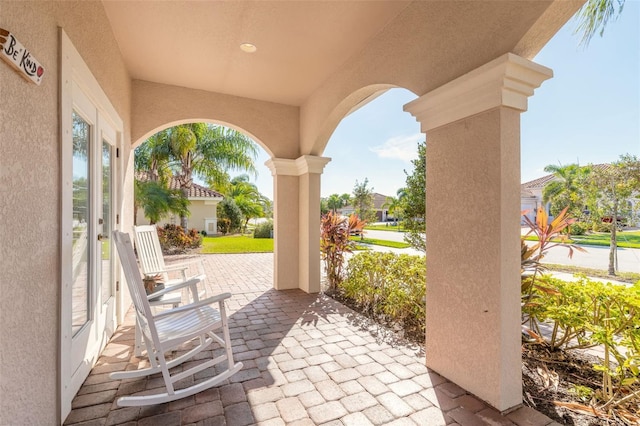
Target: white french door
{"type": "Point", "coordinates": [90, 137]}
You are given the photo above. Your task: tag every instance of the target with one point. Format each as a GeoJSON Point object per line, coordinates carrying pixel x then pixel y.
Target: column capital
{"type": "Point", "coordinates": [300, 166]}
{"type": "Point", "coordinates": [508, 81]}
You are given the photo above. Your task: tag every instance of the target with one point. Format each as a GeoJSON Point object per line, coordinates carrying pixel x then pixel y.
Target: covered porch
{"type": "Point", "coordinates": [124, 70]}
{"type": "Point", "coordinates": [308, 360]}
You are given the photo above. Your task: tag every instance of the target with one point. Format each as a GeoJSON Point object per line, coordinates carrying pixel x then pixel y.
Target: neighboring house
{"type": "Point", "coordinates": [203, 208]}
{"type": "Point", "coordinates": [114, 73]}
{"type": "Point", "coordinates": [382, 213]}
{"type": "Point", "coordinates": [531, 198]}
{"type": "Point", "coordinates": [531, 195]}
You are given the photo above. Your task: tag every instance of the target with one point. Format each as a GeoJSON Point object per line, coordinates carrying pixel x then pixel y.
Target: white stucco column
{"type": "Point", "coordinates": [297, 221]}
{"type": "Point", "coordinates": [473, 226]}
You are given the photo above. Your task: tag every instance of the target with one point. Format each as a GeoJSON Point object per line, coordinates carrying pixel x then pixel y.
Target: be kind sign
{"type": "Point", "coordinates": [16, 55]}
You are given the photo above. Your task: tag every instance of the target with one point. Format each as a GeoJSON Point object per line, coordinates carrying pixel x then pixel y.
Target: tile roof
{"type": "Point", "coordinates": [537, 183]}
{"type": "Point", "coordinates": [378, 200]}
{"type": "Point", "coordinates": [544, 180]}
{"type": "Point", "coordinates": [196, 191]}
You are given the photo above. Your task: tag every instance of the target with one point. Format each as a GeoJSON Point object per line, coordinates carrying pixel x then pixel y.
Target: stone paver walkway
{"type": "Point", "coordinates": [308, 360]}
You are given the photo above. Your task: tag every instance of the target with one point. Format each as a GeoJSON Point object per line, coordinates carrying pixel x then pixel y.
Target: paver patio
{"type": "Point", "coordinates": [308, 360]}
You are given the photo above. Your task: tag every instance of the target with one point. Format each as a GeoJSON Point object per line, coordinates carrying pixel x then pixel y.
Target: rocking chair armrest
{"type": "Point", "coordinates": [173, 287]}
{"type": "Point", "coordinates": [208, 301]}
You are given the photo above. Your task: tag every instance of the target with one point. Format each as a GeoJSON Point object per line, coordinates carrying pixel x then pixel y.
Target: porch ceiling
{"type": "Point", "coordinates": [197, 44]}
{"type": "Point", "coordinates": [301, 45]}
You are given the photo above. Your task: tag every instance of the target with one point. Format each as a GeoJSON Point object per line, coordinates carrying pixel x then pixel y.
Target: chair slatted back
{"type": "Point", "coordinates": [149, 250]}
{"type": "Point", "coordinates": [134, 281]}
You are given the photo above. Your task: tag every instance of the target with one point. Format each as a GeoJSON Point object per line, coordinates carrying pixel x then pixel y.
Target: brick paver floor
{"type": "Point", "coordinates": [308, 360]}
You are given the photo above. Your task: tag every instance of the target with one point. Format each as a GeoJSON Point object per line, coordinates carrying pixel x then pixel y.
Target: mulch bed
{"type": "Point", "coordinates": [542, 389]}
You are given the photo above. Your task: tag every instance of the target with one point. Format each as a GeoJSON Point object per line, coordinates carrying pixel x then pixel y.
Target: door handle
{"type": "Point", "coordinates": [100, 237]}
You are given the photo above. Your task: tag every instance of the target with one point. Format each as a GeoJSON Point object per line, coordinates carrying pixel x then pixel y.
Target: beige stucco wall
{"type": "Point", "coordinates": [475, 163]}
{"type": "Point", "coordinates": [30, 197]}
{"type": "Point", "coordinates": [157, 106]}
{"type": "Point", "coordinates": [199, 212]}
{"type": "Point", "coordinates": [286, 221]}
{"type": "Point", "coordinates": [428, 61]}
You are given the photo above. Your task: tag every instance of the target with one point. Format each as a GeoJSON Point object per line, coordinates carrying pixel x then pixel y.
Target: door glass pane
{"type": "Point", "coordinates": [81, 215]}
{"type": "Point", "coordinates": [106, 224]}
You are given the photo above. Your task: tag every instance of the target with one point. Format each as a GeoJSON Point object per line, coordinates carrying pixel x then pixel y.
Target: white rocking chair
{"type": "Point", "coordinates": [169, 330]}
{"type": "Point", "coordinates": [152, 260]}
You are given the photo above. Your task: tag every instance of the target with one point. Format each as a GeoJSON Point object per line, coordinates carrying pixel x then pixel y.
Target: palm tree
{"type": "Point", "coordinates": [157, 200]}
{"type": "Point", "coordinates": [594, 16]}
{"type": "Point", "coordinates": [151, 190]}
{"type": "Point", "coordinates": [335, 202]}
{"type": "Point", "coordinates": [346, 199]}
{"type": "Point", "coordinates": [208, 152]}
{"type": "Point", "coordinates": [567, 189]}
{"type": "Point", "coordinates": [401, 193]}
{"type": "Point", "coordinates": [153, 157]}
{"type": "Point", "coordinates": [247, 197]}
{"type": "Point", "coordinates": [395, 207]}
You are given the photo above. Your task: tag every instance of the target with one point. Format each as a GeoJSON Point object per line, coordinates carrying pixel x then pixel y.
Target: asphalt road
{"type": "Point", "coordinates": [385, 235]}
{"type": "Point", "coordinates": [596, 257]}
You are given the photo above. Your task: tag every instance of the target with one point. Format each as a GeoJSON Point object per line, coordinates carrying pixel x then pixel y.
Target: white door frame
{"type": "Point", "coordinates": [77, 87]}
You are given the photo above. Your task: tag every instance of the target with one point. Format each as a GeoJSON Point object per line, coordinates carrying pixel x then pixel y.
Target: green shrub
{"type": "Point", "coordinates": [602, 227]}
{"type": "Point", "coordinates": [263, 230]}
{"type": "Point", "coordinates": [388, 286]}
{"type": "Point", "coordinates": [587, 313]}
{"type": "Point", "coordinates": [173, 239]}
{"type": "Point", "coordinates": [230, 216]}
{"type": "Point", "coordinates": [578, 228]}
{"type": "Point", "coordinates": [224, 226]}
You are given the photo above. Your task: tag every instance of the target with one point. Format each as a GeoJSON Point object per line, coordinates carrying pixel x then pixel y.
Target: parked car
{"type": "Point", "coordinates": [621, 222]}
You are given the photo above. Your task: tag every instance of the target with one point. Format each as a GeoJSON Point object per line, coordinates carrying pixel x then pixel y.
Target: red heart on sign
{"type": "Point", "coordinates": [40, 71]}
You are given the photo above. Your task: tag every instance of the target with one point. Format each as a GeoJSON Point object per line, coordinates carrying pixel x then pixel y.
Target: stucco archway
{"type": "Point", "coordinates": [203, 200]}
{"type": "Point", "coordinates": [350, 103]}
{"type": "Point", "coordinates": [156, 106]}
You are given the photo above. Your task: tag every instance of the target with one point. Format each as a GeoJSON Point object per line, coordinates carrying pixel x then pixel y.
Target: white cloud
{"type": "Point", "coordinates": [403, 148]}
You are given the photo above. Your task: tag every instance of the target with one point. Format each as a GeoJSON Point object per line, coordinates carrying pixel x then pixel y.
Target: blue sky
{"type": "Point", "coordinates": [588, 112]}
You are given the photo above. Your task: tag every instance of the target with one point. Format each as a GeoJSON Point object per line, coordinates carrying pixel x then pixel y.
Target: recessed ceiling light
{"type": "Point", "coordinates": [248, 47]}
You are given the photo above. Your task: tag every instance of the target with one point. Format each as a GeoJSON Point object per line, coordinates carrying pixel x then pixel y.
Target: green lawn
{"type": "Point", "coordinates": [245, 244]}
{"type": "Point", "coordinates": [236, 244]}
{"type": "Point", "coordinates": [626, 239]}
{"type": "Point", "coordinates": [629, 277]}
{"type": "Point", "coordinates": [384, 228]}
{"type": "Point", "coordinates": [377, 242]}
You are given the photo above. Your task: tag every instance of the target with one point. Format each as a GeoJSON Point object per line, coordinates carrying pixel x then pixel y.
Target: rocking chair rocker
{"type": "Point", "coordinates": [171, 329]}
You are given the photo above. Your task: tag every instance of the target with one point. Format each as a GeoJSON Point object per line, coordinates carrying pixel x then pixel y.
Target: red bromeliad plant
{"type": "Point", "coordinates": [335, 231]}
{"type": "Point", "coordinates": [549, 234]}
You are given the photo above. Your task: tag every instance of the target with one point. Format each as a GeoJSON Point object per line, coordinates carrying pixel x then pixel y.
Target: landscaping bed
{"type": "Point", "coordinates": [555, 380]}
{"type": "Point", "coordinates": [564, 384]}
{"type": "Point", "coordinates": [574, 371]}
